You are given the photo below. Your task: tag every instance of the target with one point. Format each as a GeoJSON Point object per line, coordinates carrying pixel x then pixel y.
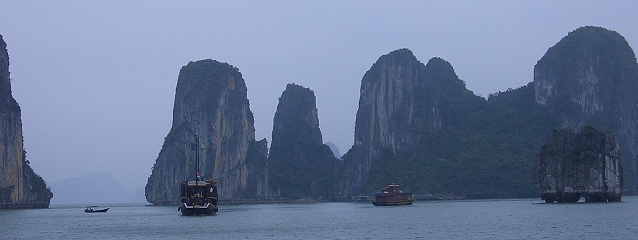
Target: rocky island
{"type": "Point", "coordinates": [20, 186]}
{"type": "Point", "coordinates": [211, 102]}
{"type": "Point", "coordinates": [590, 77]}
{"type": "Point", "coordinates": [571, 166]}
{"type": "Point", "coordinates": [416, 122]}
{"type": "Point", "coordinates": [301, 166]}
{"type": "Point", "coordinates": [419, 123]}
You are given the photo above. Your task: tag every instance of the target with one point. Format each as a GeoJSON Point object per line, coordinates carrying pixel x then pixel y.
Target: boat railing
{"type": "Point", "coordinates": [197, 183]}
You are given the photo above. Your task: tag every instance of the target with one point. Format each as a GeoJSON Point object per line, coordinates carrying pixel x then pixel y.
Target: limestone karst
{"type": "Point", "coordinates": [301, 166]}
{"type": "Point", "coordinates": [211, 103]}
{"type": "Point", "coordinates": [574, 165]}
{"type": "Point", "coordinates": [20, 186]}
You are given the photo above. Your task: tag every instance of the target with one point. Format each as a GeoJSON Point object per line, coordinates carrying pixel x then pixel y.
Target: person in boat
{"type": "Point", "coordinates": [213, 191]}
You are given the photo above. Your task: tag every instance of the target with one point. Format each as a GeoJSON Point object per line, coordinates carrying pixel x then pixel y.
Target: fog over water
{"type": "Point", "coordinates": [96, 79]}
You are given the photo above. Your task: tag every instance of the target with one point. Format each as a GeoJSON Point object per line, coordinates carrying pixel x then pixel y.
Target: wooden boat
{"type": "Point", "coordinates": [94, 209]}
{"type": "Point", "coordinates": [392, 196]}
{"type": "Point", "coordinates": [198, 197]}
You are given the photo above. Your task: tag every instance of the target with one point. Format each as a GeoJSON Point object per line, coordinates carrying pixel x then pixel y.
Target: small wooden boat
{"type": "Point", "coordinates": [392, 196]}
{"type": "Point", "coordinates": [94, 209]}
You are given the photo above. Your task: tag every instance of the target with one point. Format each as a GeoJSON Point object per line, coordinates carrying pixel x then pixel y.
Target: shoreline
{"type": "Point", "coordinates": [30, 205]}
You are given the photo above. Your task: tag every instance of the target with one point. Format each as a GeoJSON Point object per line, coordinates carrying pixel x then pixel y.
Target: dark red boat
{"type": "Point", "coordinates": [392, 196]}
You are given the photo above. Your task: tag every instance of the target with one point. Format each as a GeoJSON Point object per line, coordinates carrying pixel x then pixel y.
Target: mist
{"type": "Point", "coordinates": [96, 80]}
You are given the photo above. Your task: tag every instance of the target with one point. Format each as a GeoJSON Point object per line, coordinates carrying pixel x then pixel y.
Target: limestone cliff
{"type": "Point", "coordinates": [572, 165]}
{"type": "Point", "coordinates": [211, 103]}
{"type": "Point", "coordinates": [419, 124]}
{"type": "Point", "coordinates": [388, 89]}
{"type": "Point", "coordinates": [591, 77]}
{"type": "Point", "coordinates": [301, 165]}
{"type": "Point", "coordinates": [399, 107]}
{"type": "Point", "coordinates": [20, 187]}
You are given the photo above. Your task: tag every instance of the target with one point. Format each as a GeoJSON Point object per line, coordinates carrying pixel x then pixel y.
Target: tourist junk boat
{"type": "Point", "coordinates": [392, 196]}
{"type": "Point", "coordinates": [198, 197]}
{"type": "Point", "coordinates": [94, 209]}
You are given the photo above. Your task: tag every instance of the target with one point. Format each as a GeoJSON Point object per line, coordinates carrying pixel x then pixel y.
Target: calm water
{"type": "Point", "coordinates": [484, 219]}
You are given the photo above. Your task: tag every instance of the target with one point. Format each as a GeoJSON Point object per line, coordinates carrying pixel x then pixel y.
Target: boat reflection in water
{"type": "Point", "coordinates": [392, 196]}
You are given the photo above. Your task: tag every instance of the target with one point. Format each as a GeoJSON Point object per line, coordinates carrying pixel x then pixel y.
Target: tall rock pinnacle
{"type": "Point", "coordinates": [591, 77]}
{"type": "Point", "coordinates": [301, 165]}
{"type": "Point", "coordinates": [20, 187]}
{"type": "Point", "coordinates": [399, 105]}
{"type": "Point", "coordinates": [211, 103]}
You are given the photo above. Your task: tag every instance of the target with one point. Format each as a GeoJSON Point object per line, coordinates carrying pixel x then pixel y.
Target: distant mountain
{"type": "Point", "coordinates": [138, 195]}
{"type": "Point", "coordinates": [334, 149]}
{"type": "Point", "coordinates": [91, 187]}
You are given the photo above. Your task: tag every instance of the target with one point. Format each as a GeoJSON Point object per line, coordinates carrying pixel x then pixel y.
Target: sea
{"type": "Point", "coordinates": [457, 219]}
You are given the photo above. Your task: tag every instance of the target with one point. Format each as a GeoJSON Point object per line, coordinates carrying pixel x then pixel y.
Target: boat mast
{"type": "Point", "coordinates": [196, 159]}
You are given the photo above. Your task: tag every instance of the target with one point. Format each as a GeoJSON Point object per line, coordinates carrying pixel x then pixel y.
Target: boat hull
{"type": "Point", "coordinates": [198, 198]}
{"type": "Point", "coordinates": [394, 203]}
{"type": "Point", "coordinates": [91, 210]}
{"type": "Point", "coordinates": [198, 210]}
{"type": "Point", "coordinates": [103, 210]}
{"type": "Point", "coordinates": [392, 196]}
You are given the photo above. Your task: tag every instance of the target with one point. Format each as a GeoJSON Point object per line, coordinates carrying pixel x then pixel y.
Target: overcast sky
{"type": "Point", "coordinates": [96, 79]}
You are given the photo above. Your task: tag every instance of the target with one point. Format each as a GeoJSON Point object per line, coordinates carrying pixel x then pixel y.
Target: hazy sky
{"type": "Point", "coordinates": [96, 79]}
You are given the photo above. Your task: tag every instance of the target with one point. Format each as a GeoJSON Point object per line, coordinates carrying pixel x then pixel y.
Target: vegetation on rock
{"type": "Point", "coordinates": [20, 186]}
{"type": "Point", "coordinates": [472, 147]}
{"type": "Point", "coordinates": [301, 166]}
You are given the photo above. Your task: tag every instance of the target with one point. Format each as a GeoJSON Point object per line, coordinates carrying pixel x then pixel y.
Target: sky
{"type": "Point", "coordinates": [96, 79]}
